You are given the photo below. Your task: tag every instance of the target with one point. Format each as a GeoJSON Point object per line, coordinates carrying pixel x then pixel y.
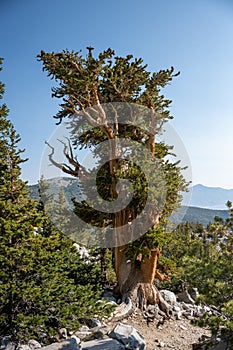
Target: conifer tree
{"type": "Point", "coordinates": [202, 258]}
{"type": "Point", "coordinates": [18, 216]}
{"type": "Point", "coordinates": [44, 284]}
{"type": "Point", "coordinates": [87, 83]}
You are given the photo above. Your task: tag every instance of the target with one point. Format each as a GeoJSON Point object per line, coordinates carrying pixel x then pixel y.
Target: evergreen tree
{"type": "Point", "coordinates": [88, 82]}
{"type": "Point", "coordinates": [202, 258]}
{"type": "Point", "coordinates": [43, 282]}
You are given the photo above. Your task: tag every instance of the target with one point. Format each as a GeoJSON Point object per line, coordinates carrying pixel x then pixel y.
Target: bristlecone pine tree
{"type": "Point", "coordinates": [84, 82]}
{"type": "Point", "coordinates": [44, 284]}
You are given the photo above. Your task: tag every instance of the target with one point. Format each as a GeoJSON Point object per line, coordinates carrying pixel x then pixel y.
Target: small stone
{"type": "Point", "coordinates": [124, 321]}
{"type": "Point", "coordinates": [194, 294]}
{"type": "Point", "coordinates": [176, 308]}
{"type": "Point", "coordinates": [83, 333]}
{"type": "Point", "coordinates": [161, 344]}
{"type": "Point", "coordinates": [179, 315]}
{"type": "Point", "coordinates": [191, 318]}
{"type": "Point", "coordinates": [67, 344]}
{"type": "Point", "coordinates": [63, 332]}
{"type": "Point", "coordinates": [183, 327]}
{"type": "Point", "coordinates": [96, 322]}
{"type": "Point", "coordinates": [84, 329]}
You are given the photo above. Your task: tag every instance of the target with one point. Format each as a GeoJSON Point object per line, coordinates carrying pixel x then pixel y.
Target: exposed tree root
{"type": "Point", "coordinates": [142, 295]}
{"type": "Point", "coordinates": [136, 283]}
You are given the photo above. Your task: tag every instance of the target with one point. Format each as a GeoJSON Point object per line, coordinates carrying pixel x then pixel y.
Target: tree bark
{"type": "Point", "coordinates": [136, 279]}
{"type": "Point", "coordinates": [136, 283]}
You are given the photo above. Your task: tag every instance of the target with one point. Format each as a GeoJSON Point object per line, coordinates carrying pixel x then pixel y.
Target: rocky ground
{"type": "Point", "coordinates": [152, 328]}
{"type": "Point", "coordinates": [173, 334]}
{"type": "Point", "coordinates": [177, 334]}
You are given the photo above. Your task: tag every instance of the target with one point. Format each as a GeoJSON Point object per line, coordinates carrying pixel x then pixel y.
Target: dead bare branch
{"type": "Point", "coordinates": [77, 171]}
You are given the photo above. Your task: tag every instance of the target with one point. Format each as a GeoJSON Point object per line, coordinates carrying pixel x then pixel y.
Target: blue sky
{"type": "Point", "coordinates": [196, 37]}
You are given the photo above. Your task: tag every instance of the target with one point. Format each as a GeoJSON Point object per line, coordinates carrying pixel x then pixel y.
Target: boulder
{"type": "Point", "coordinates": [128, 336]}
{"type": "Point", "coordinates": [168, 296]}
{"type": "Point", "coordinates": [103, 344]}
{"type": "Point", "coordinates": [68, 344]}
{"type": "Point", "coordinates": [34, 344]}
{"type": "Point", "coordinates": [23, 347]}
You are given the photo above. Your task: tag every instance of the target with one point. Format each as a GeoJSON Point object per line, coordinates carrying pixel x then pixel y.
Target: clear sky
{"type": "Point", "coordinates": [194, 36]}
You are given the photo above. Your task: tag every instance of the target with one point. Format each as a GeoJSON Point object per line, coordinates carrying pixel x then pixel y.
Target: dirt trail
{"type": "Point", "coordinates": [173, 334]}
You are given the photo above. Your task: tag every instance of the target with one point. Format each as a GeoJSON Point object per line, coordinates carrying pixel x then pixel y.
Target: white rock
{"type": "Point", "coordinates": [103, 344]}
{"type": "Point", "coordinates": [179, 315]}
{"type": "Point", "coordinates": [161, 344]}
{"type": "Point", "coordinates": [68, 344]}
{"type": "Point", "coordinates": [34, 344]}
{"type": "Point", "coordinates": [128, 336]}
{"type": "Point", "coordinates": [168, 296]}
{"type": "Point", "coordinates": [176, 308]}
{"type": "Point", "coordinates": [82, 335]}
{"type": "Point", "coordinates": [63, 332]}
{"type": "Point", "coordinates": [194, 294]}
{"type": "Point", "coordinates": [183, 327]}
{"type": "Point", "coordinates": [23, 347]}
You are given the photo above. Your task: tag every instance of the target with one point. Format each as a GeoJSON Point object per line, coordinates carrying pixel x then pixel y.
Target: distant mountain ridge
{"type": "Point", "coordinates": [205, 204]}
{"type": "Point", "coordinates": [69, 185]}
{"type": "Point", "coordinates": [214, 198]}
{"type": "Point", "coordinates": [198, 215]}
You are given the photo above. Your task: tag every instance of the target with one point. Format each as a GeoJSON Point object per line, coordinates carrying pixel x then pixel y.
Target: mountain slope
{"type": "Point", "coordinates": [198, 215]}
{"type": "Point", "coordinates": [198, 211]}
{"type": "Point", "coordinates": [208, 197]}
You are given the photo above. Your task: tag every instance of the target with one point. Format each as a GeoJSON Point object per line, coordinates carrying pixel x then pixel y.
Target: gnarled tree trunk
{"type": "Point", "coordinates": [136, 280]}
